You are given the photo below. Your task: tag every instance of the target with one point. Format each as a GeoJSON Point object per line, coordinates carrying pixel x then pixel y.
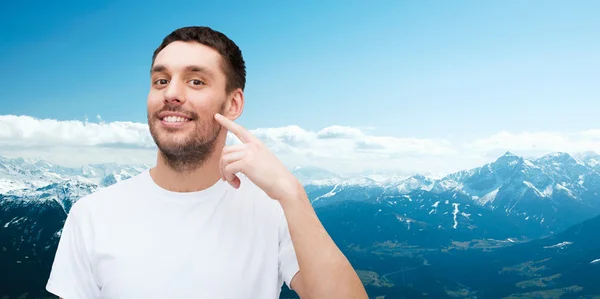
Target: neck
{"type": "Point", "coordinates": [196, 178]}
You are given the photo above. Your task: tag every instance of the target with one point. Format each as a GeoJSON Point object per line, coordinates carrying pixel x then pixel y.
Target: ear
{"type": "Point", "coordinates": [234, 105]}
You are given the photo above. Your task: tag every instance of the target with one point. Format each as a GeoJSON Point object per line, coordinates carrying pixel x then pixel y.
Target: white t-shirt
{"type": "Point", "coordinates": [134, 240]}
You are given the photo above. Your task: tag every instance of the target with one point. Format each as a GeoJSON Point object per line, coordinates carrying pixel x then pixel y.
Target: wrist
{"type": "Point", "coordinates": [293, 193]}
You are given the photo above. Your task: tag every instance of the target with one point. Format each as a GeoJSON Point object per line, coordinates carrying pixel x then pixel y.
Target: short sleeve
{"type": "Point", "coordinates": [288, 263]}
{"type": "Point", "coordinates": [71, 274]}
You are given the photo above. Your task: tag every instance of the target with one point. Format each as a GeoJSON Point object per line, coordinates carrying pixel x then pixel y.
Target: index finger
{"type": "Point", "coordinates": [236, 129]}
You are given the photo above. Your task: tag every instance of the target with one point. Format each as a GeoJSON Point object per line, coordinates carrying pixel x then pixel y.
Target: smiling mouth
{"type": "Point", "coordinates": [175, 119]}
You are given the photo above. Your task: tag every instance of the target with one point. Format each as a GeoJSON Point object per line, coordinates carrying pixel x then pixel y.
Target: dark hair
{"type": "Point", "coordinates": [233, 63]}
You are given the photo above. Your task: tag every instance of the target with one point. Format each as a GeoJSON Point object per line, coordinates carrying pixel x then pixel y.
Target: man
{"type": "Point", "coordinates": [209, 220]}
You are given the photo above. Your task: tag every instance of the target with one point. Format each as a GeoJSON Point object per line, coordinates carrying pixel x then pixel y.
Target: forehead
{"type": "Point", "coordinates": [177, 56]}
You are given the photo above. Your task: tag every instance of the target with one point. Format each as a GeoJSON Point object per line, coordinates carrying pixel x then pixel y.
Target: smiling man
{"type": "Point", "coordinates": [209, 220]}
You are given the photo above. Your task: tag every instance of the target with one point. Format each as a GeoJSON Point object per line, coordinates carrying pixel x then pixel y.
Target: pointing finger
{"type": "Point", "coordinates": [234, 128]}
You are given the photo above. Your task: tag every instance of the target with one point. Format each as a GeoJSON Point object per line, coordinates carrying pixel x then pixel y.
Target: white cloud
{"type": "Point", "coordinates": [340, 149]}
{"type": "Point", "coordinates": [339, 132]}
{"type": "Point", "coordinates": [535, 143]}
{"type": "Point", "coordinates": [29, 132]}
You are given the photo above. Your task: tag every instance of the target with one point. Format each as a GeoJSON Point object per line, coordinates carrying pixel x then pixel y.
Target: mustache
{"type": "Point", "coordinates": [176, 108]}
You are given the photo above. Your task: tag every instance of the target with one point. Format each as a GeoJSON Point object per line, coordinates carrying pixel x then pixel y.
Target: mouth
{"type": "Point", "coordinates": [173, 119]}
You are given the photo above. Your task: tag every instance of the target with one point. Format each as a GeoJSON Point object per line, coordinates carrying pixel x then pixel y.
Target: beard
{"type": "Point", "coordinates": [185, 153]}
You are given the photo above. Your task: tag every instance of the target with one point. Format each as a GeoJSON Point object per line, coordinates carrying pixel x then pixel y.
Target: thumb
{"type": "Point", "coordinates": [231, 178]}
{"type": "Point", "coordinates": [234, 181]}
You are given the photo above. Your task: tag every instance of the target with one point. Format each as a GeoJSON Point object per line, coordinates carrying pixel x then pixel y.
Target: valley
{"type": "Point", "coordinates": [512, 228]}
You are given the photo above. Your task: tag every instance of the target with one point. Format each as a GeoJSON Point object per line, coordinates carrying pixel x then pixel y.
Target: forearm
{"type": "Point", "coordinates": [326, 272]}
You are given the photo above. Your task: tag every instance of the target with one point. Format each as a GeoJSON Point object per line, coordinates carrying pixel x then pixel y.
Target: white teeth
{"type": "Point", "coordinates": [174, 119]}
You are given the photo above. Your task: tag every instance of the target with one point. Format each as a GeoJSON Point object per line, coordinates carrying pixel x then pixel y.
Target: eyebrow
{"type": "Point", "coordinates": [190, 69]}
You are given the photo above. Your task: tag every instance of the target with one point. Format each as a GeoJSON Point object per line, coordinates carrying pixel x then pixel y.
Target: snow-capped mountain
{"type": "Point", "coordinates": [503, 202]}
{"type": "Point", "coordinates": [306, 174]}
{"type": "Point", "coordinates": [19, 175]}
{"type": "Point", "coordinates": [553, 191]}
{"type": "Point", "coordinates": [557, 172]}
{"type": "Point", "coordinates": [589, 158]}
{"type": "Point", "coordinates": [540, 195]}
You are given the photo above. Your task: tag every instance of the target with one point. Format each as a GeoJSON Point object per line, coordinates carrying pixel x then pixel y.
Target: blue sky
{"type": "Point", "coordinates": [427, 69]}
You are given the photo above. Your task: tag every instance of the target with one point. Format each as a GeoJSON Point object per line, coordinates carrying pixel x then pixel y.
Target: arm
{"type": "Point", "coordinates": [324, 270]}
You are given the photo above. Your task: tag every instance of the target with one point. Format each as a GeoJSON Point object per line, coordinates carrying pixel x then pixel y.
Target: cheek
{"type": "Point", "coordinates": [206, 103]}
{"type": "Point", "coordinates": [153, 101]}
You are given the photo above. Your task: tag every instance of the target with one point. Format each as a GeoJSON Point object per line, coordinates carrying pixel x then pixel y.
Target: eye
{"type": "Point", "coordinates": [161, 81]}
{"type": "Point", "coordinates": [196, 82]}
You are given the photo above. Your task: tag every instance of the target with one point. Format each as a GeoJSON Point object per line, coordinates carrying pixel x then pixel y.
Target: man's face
{"type": "Point", "coordinates": [187, 89]}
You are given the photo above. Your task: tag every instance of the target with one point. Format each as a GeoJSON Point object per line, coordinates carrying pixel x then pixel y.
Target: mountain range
{"type": "Point", "coordinates": [510, 198]}
{"type": "Point", "coordinates": [402, 233]}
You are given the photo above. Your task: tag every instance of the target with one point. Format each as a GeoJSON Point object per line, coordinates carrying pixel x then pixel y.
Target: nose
{"type": "Point", "coordinates": [174, 93]}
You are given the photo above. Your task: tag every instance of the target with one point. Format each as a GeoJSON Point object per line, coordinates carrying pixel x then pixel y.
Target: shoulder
{"type": "Point", "coordinates": [106, 198]}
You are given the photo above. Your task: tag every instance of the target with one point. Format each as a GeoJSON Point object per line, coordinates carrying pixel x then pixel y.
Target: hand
{"type": "Point", "coordinates": [257, 162]}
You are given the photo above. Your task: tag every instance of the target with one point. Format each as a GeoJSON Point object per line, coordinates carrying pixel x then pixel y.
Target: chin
{"type": "Point", "coordinates": [175, 139]}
